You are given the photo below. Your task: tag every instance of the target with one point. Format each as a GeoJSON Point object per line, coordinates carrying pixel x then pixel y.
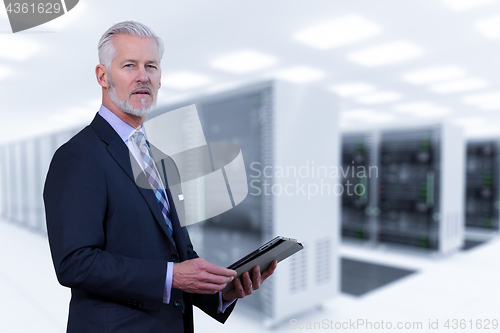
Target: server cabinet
{"type": "Point", "coordinates": [23, 168]}
{"type": "Point", "coordinates": [283, 130]}
{"type": "Point", "coordinates": [359, 172]}
{"type": "Point", "coordinates": [420, 187]}
{"type": "Point", "coordinates": [482, 179]}
{"type": "Point", "coordinates": [15, 182]}
{"type": "Point", "coordinates": [409, 198]}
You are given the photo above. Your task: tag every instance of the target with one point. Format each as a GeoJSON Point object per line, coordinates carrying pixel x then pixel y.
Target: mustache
{"type": "Point", "coordinates": [145, 86]}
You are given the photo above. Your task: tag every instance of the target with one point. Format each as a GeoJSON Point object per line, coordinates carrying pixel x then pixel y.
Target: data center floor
{"type": "Point", "coordinates": [464, 286]}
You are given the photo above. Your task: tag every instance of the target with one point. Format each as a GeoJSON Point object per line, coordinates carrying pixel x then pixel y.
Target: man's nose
{"type": "Point", "coordinates": [142, 75]}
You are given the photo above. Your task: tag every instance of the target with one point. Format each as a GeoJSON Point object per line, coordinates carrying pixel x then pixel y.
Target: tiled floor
{"type": "Point", "coordinates": [465, 286]}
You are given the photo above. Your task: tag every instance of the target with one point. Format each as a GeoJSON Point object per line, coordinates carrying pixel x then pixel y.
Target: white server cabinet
{"type": "Point", "coordinates": [282, 129]}
{"type": "Point", "coordinates": [420, 186]}
{"type": "Point", "coordinates": [24, 185]}
{"type": "Point", "coordinates": [15, 182]}
{"type": "Point", "coordinates": [24, 165]}
{"type": "Point", "coordinates": [32, 194]}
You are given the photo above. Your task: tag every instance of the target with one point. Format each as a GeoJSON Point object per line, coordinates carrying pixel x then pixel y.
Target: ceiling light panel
{"type": "Point", "coordinates": [386, 54]}
{"type": "Point", "coordinates": [412, 107]}
{"type": "Point", "coordinates": [379, 97]}
{"type": "Point", "coordinates": [490, 27]}
{"type": "Point", "coordinates": [482, 98]}
{"type": "Point", "coordinates": [338, 32]}
{"type": "Point", "coordinates": [17, 48]}
{"type": "Point", "coordinates": [433, 113]}
{"type": "Point", "coordinates": [244, 62]}
{"type": "Point", "coordinates": [299, 74]}
{"type": "Point", "coordinates": [184, 80]}
{"type": "Point", "coordinates": [458, 86]}
{"type": "Point", "coordinates": [485, 101]}
{"type": "Point", "coordinates": [352, 89]}
{"type": "Point", "coordinates": [434, 74]}
{"type": "Point", "coordinates": [461, 5]}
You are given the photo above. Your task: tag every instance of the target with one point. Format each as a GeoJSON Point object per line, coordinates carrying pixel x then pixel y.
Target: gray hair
{"type": "Point", "coordinates": [106, 48]}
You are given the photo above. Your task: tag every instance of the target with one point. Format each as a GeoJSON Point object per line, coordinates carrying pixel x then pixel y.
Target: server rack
{"type": "Point", "coordinates": [409, 194]}
{"type": "Point", "coordinates": [359, 185]}
{"type": "Point", "coordinates": [23, 168]}
{"type": "Point", "coordinates": [280, 127]}
{"type": "Point", "coordinates": [420, 187]}
{"type": "Point", "coordinates": [482, 191]}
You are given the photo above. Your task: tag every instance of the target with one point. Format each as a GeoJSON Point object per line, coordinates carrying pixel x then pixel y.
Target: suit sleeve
{"type": "Point", "coordinates": [208, 303]}
{"type": "Point", "coordinates": [75, 198]}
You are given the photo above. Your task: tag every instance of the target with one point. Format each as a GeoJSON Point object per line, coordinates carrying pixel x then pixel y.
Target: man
{"type": "Point", "coordinates": [120, 248]}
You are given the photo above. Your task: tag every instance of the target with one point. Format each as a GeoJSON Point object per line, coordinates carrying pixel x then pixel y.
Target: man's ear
{"type": "Point", "coordinates": [101, 74]}
{"type": "Point", "coordinates": [159, 85]}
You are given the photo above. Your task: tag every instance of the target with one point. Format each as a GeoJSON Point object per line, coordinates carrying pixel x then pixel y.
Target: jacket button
{"type": "Point", "coordinates": [174, 257]}
{"type": "Point", "coordinates": [177, 303]}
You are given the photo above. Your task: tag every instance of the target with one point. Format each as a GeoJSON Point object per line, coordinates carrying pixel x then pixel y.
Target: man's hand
{"type": "Point", "coordinates": [200, 277]}
{"type": "Point", "coordinates": [249, 285]}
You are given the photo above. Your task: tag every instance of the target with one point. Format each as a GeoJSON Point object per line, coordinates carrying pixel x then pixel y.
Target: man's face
{"type": "Point", "coordinates": [134, 76]}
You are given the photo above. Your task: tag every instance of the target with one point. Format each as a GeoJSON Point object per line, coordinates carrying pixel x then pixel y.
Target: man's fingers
{"type": "Point", "coordinates": [218, 270]}
{"type": "Point", "coordinates": [207, 278]}
{"type": "Point", "coordinates": [256, 277]}
{"type": "Point", "coordinates": [240, 292]}
{"type": "Point", "coordinates": [209, 288]}
{"type": "Point", "coordinates": [269, 271]}
{"type": "Point", "coordinates": [216, 279]}
{"type": "Point", "coordinates": [247, 283]}
{"type": "Point", "coordinates": [195, 276]}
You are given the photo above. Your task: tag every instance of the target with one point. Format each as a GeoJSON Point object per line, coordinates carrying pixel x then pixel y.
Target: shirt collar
{"type": "Point", "coordinates": [123, 129]}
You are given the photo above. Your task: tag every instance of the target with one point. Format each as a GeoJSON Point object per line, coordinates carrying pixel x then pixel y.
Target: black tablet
{"type": "Point", "coordinates": [278, 248]}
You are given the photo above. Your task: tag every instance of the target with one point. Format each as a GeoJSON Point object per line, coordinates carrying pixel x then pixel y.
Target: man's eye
{"type": "Point", "coordinates": [151, 66]}
{"type": "Point", "coordinates": [128, 65]}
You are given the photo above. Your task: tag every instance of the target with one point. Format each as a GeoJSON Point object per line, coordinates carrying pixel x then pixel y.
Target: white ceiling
{"type": "Point", "coordinates": [55, 87]}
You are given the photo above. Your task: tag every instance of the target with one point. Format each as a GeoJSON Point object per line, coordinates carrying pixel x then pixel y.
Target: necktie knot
{"type": "Point", "coordinates": [138, 138]}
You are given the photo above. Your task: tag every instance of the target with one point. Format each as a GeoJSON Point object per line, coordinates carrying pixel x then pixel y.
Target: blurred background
{"type": "Point", "coordinates": [369, 129]}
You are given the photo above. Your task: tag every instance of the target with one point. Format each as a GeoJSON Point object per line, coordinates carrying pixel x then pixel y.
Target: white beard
{"type": "Point", "coordinates": [125, 105]}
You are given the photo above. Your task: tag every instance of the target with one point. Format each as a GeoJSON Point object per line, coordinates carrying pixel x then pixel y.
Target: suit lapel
{"type": "Point", "coordinates": [120, 153]}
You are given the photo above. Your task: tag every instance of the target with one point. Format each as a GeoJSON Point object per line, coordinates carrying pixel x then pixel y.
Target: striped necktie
{"type": "Point", "coordinates": [153, 177]}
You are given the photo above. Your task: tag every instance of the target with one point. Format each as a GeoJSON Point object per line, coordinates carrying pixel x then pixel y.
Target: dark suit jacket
{"type": "Point", "coordinates": [110, 243]}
